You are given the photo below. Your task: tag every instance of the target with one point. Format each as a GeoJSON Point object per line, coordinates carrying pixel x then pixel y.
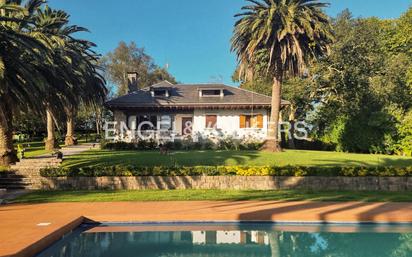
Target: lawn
{"type": "Point", "coordinates": [36, 148]}
{"type": "Point", "coordinates": [252, 158]}
{"type": "Point", "coordinates": [33, 149]}
{"type": "Point", "coordinates": [212, 195]}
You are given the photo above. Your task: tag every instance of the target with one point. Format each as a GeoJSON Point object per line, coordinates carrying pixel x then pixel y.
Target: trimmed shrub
{"type": "Point", "coordinates": [226, 143]}
{"type": "Point", "coordinates": [294, 171]}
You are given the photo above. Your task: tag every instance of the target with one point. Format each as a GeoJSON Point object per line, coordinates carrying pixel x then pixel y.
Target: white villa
{"type": "Point", "coordinates": [191, 110]}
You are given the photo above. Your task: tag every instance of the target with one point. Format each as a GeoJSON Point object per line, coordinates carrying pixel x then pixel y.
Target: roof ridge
{"type": "Point", "coordinates": [250, 91]}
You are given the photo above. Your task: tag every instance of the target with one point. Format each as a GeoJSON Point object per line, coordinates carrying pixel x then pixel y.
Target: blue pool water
{"type": "Point", "coordinates": [234, 240]}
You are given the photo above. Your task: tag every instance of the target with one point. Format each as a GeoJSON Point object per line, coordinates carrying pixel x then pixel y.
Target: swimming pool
{"type": "Point", "coordinates": [234, 240]}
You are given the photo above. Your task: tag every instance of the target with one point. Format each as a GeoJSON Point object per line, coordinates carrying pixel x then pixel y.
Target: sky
{"type": "Point", "coordinates": [191, 37]}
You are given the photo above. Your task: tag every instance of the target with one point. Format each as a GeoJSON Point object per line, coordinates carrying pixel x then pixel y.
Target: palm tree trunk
{"type": "Point", "coordinates": [272, 143]}
{"type": "Point", "coordinates": [99, 126]}
{"type": "Point", "coordinates": [292, 118]}
{"type": "Point", "coordinates": [70, 139]}
{"type": "Point", "coordinates": [7, 152]}
{"type": "Point", "coordinates": [51, 143]}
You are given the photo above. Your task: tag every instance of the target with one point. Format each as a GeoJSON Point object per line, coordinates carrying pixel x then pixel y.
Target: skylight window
{"type": "Point", "coordinates": [160, 93]}
{"type": "Point", "coordinates": [211, 92]}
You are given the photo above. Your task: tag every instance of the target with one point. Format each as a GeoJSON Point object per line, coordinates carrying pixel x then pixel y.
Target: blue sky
{"type": "Point", "coordinates": [192, 36]}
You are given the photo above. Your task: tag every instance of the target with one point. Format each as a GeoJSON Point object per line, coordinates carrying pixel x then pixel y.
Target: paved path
{"type": "Point", "coordinates": [20, 234]}
{"type": "Point", "coordinates": [76, 149]}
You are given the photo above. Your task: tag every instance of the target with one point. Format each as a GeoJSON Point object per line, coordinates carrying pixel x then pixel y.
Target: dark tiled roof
{"type": "Point", "coordinates": [188, 95]}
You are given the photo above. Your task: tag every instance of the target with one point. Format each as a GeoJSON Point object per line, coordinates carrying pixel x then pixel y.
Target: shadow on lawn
{"type": "Point", "coordinates": [154, 158]}
{"type": "Point", "coordinates": [217, 158]}
{"type": "Point", "coordinates": [387, 162]}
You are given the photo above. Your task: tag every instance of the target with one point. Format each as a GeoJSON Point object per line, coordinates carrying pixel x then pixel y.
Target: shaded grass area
{"type": "Point", "coordinates": [33, 149]}
{"type": "Point", "coordinates": [215, 158]}
{"type": "Point", "coordinates": [36, 148]}
{"type": "Point", "coordinates": [212, 195]}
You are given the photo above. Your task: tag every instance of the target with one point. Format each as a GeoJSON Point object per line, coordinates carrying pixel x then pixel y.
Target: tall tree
{"type": "Point", "coordinates": [22, 57]}
{"type": "Point", "coordinates": [130, 58]}
{"type": "Point", "coordinates": [290, 34]}
{"type": "Point", "coordinates": [75, 70]}
{"type": "Point", "coordinates": [361, 87]}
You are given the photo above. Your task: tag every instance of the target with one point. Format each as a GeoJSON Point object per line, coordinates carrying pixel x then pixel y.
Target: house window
{"type": "Point", "coordinates": [147, 122]}
{"type": "Point", "coordinates": [165, 122]}
{"type": "Point", "coordinates": [161, 93]}
{"type": "Point", "coordinates": [211, 121]}
{"type": "Point", "coordinates": [211, 92]}
{"type": "Point", "coordinates": [251, 121]}
{"type": "Point", "coordinates": [132, 123]}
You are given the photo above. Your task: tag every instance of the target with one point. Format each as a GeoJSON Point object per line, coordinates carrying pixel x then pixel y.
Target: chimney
{"type": "Point", "coordinates": [132, 81]}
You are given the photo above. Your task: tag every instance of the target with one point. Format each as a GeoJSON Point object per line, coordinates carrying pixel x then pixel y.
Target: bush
{"type": "Point", "coordinates": [226, 143]}
{"type": "Point", "coordinates": [141, 145]}
{"type": "Point", "coordinates": [405, 130]}
{"type": "Point", "coordinates": [297, 171]}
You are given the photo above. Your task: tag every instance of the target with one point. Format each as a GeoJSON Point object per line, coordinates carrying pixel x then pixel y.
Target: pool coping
{"type": "Point", "coordinates": [47, 241]}
{"type": "Point", "coordinates": [54, 237]}
{"type": "Point", "coordinates": [181, 213]}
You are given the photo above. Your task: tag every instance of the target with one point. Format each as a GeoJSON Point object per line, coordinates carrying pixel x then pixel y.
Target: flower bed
{"type": "Point", "coordinates": [290, 171]}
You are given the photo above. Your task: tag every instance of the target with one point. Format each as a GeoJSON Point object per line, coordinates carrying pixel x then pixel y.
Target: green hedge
{"type": "Point", "coordinates": [129, 171]}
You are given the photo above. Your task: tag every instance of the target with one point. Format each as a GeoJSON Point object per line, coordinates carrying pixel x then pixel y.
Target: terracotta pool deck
{"type": "Point", "coordinates": [27, 229]}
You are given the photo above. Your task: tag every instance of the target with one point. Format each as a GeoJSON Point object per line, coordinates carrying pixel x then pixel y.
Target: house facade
{"type": "Point", "coordinates": [167, 111]}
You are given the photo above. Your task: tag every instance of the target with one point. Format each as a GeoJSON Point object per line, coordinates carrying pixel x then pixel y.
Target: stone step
{"type": "Point", "coordinates": [35, 164]}
{"type": "Point", "coordinates": [38, 162]}
{"type": "Point", "coordinates": [16, 182]}
{"type": "Point", "coordinates": [35, 167]}
{"type": "Point", "coordinates": [22, 178]}
{"type": "Point", "coordinates": [14, 186]}
{"type": "Point", "coordinates": [17, 187]}
{"type": "Point", "coordinates": [11, 175]}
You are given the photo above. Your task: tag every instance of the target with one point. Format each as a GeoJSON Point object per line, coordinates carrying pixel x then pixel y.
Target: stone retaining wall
{"type": "Point", "coordinates": [227, 182]}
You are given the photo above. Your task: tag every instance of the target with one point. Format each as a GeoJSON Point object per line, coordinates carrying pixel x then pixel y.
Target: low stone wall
{"type": "Point", "coordinates": [227, 182]}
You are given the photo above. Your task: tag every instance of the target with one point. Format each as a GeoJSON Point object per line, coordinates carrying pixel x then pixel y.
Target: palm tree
{"type": "Point", "coordinates": [285, 35]}
{"type": "Point", "coordinates": [75, 70]}
{"type": "Point", "coordinates": [50, 27]}
{"type": "Point", "coordinates": [39, 70]}
{"type": "Point", "coordinates": [21, 58]}
{"type": "Point", "coordinates": [90, 87]}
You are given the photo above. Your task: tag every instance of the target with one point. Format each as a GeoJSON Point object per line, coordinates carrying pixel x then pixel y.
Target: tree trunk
{"type": "Point", "coordinates": [8, 154]}
{"type": "Point", "coordinates": [2, 12]}
{"type": "Point", "coordinates": [70, 138]}
{"type": "Point", "coordinates": [292, 117]}
{"type": "Point", "coordinates": [99, 126]}
{"type": "Point", "coordinates": [272, 142]}
{"type": "Point", "coordinates": [51, 143]}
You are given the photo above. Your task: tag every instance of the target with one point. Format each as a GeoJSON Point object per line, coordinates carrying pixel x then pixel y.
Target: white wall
{"type": "Point", "coordinates": [228, 122]}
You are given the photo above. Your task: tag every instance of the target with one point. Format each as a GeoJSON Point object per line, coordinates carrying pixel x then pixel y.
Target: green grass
{"type": "Point", "coordinates": [33, 149]}
{"type": "Point", "coordinates": [36, 148]}
{"type": "Point", "coordinates": [252, 158]}
{"type": "Point", "coordinates": [213, 195]}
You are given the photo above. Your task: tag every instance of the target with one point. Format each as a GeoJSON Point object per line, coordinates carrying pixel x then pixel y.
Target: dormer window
{"type": "Point", "coordinates": [211, 93]}
{"type": "Point", "coordinates": [160, 93]}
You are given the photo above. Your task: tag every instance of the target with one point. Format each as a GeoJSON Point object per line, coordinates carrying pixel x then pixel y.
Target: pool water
{"type": "Point", "coordinates": [234, 240]}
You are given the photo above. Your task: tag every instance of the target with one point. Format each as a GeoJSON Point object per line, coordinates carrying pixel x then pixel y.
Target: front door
{"type": "Point", "coordinates": [187, 126]}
